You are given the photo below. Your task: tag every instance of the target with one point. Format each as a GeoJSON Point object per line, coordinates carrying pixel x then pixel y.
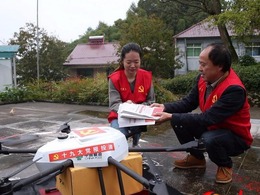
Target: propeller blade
{"type": "Point", "coordinates": [160, 187]}
{"type": "Point", "coordinates": [19, 139]}
{"type": "Point", "coordinates": [65, 128]}
{"type": "Point", "coordinates": [19, 170]}
{"type": "Point", "coordinates": [59, 167]}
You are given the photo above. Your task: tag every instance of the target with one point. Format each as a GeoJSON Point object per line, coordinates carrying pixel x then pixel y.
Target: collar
{"type": "Point", "coordinates": [222, 78]}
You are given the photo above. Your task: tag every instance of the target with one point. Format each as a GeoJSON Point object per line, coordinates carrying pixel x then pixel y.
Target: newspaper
{"type": "Point", "coordinates": [137, 114]}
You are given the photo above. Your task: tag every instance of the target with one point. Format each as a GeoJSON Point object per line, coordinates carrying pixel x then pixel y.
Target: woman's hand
{"type": "Point", "coordinates": [157, 105]}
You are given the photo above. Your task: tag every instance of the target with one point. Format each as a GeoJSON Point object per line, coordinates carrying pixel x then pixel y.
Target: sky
{"type": "Point", "coordinates": [65, 19]}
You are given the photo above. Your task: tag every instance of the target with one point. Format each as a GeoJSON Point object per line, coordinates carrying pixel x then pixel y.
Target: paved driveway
{"type": "Point", "coordinates": [39, 123]}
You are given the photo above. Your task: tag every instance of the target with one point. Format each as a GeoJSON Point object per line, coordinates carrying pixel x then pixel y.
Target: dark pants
{"type": "Point", "coordinates": [220, 144]}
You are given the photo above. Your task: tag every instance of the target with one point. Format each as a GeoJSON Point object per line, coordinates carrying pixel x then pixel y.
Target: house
{"type": "Point", "coordinates": [94, 57]}
{"type": "Point", "coordinates": [193, 40]}
{"type": "Point", "coordinates": [8, 66]}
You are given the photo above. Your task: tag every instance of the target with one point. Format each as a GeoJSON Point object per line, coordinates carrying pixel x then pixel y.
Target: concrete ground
{"type": "Point", "coordinates": [38, 122]}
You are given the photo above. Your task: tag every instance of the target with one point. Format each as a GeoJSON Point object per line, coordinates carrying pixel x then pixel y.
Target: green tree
{"type": "Point", "coordinates": [213, 8]}
{"type": "Point", "coordinates": [243, 16]}
{"type": "Point", "coordinates": [154, 38]}
{"type": "Point", "coordinates": [176, 16]}
{"type": "Point", "coordinates": [111, 34]}
{"type": "Point", "coordinates": [51, 55]}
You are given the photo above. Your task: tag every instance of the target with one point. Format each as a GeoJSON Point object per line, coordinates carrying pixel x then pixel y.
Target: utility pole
{"type": "Point", "coordinates": [37, 40]}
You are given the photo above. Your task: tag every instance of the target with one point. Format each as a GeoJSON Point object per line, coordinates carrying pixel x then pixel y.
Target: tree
{"type": "Point", "coordinates": [50, 51]}
{"type": "Point", "coordinates": [243, 16]}
{"type": "Point", "coordinates": [176, 16]}
{"type": "Point", "coordinates": [111, 33]}
{"type": "Point", "coordinates": [213, 8]}
{"type": "Point", "coordinates": [154, 39]}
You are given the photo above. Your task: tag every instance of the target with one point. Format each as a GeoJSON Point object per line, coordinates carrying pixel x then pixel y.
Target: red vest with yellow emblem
{"type": "Point", "coordinates": [143, 83]}
{"type": "Point", "coordinates": [239, 123]}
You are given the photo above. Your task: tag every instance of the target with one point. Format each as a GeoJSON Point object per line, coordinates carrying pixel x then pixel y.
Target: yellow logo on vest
{"type": "Point", "coordinates": [214, 99]}
{"type": "Point", "coordinates": [141, 89]}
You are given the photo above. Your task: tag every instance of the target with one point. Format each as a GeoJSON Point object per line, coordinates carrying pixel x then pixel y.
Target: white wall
{"type": "Point", "coordinates": [192, 63]}
{"type": "Point", "coordinates": [5, 73]}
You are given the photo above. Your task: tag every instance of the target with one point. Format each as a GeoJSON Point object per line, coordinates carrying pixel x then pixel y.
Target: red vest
{"type": "Point", "coordinates": [239, 123]}
{"type": "Point", "coordinates": [142, 87]}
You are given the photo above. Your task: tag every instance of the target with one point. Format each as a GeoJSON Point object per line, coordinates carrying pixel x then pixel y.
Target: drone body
{"type": "Point", "coordinates": [86, 147]}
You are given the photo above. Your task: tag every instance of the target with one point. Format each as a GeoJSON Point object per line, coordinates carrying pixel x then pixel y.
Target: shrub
{"type": "Point", "coordinates": [181, 84]}
{"type": "Point", "coordinates": [12, 94]}
{"type": "Point", "coordinates": [67, 91]}
{"type": "Point", "coordinates": [246, 60]}
{"type": "Point", "coordinates": [95, 91]}
{"type": "Point", "coordinates": [162, 95]}
{"type": "Point", "coordinates": [40, 90]}
{"type": "Point", "coordinates": [250, 76]}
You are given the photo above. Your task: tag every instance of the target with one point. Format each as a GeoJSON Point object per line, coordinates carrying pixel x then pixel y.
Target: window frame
{"type": "Point", "coordinates": [253, 48]}
{"type": "Point", "coordinates": [193, 47]}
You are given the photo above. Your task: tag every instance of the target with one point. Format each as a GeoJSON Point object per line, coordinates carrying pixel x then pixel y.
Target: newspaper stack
{"type": "Point", "coordinates": [137, 114]}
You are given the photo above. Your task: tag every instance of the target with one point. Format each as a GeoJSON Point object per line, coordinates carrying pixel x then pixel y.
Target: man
{"type": "Point", "coordinates": [224, 121]}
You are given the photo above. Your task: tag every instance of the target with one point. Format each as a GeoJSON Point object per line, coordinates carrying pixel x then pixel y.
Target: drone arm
{"type": "Point", "coordinates": [17, 151]}
{"type": "Point", "coordinates": [190, 146]}
{"type": "Point", "coordinates": [157, 149]}
{"type": "Point", "coordinates": [59, 167]}
{"type": "Point", "coordinates": [129, 172]}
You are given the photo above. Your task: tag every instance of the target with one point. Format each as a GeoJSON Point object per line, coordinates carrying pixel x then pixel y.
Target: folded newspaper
{"type": "Point", "coordinates": [137, 114]}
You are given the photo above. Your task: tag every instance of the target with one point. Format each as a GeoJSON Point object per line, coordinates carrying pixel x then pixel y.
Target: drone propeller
{"type": "Point", "coordinates": [18, 139]}
{"type": "Point", "coordinates": [59, 167]}
{"type": "Point", "coordinates": [65, 128]}
{"type": "Point", "coordinates": [16, 151]}
{"type": "Point", "coordinates": [5, 179]}
{"type": "Point", "coordinates": [22, 138]}
{"type": "Point", "coordinates": [157, 184]}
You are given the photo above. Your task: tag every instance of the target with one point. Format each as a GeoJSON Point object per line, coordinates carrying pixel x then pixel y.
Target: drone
{"type": "Point", "coordinates": [94, 148]}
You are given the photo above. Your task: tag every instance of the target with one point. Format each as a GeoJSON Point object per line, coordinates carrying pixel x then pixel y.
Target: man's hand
{"type": "Point", "coordinates": [164, 116]}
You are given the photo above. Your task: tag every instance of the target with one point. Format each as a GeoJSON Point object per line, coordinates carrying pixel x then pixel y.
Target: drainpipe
{"type": "Point", "coordinates": [14, 73]}
{"type": "Point", "coordinates": [185, 55]}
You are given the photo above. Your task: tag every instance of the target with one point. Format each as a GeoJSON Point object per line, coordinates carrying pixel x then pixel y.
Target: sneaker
{"type": "Point", "coordinates": [224, 175]}
{"type": "Point", "coordinates": [190, 162]}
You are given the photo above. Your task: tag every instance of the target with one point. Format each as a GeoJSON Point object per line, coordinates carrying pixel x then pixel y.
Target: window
{"type": "Point", "coordinates": [253, 49]}
{"type": "Point", "coordinates": [85, 72]}
{"type": "Point", "coordinates": [193, 49]}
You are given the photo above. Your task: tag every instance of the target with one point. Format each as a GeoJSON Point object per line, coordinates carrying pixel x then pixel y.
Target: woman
{"type": "Point", "coordinates": [129, 83]}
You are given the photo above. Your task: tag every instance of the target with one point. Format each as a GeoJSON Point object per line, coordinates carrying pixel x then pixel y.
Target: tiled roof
{"type": "Point", "coordinates": [93, 54]}
{"type": "Point", "coordinates": [201, 29]}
